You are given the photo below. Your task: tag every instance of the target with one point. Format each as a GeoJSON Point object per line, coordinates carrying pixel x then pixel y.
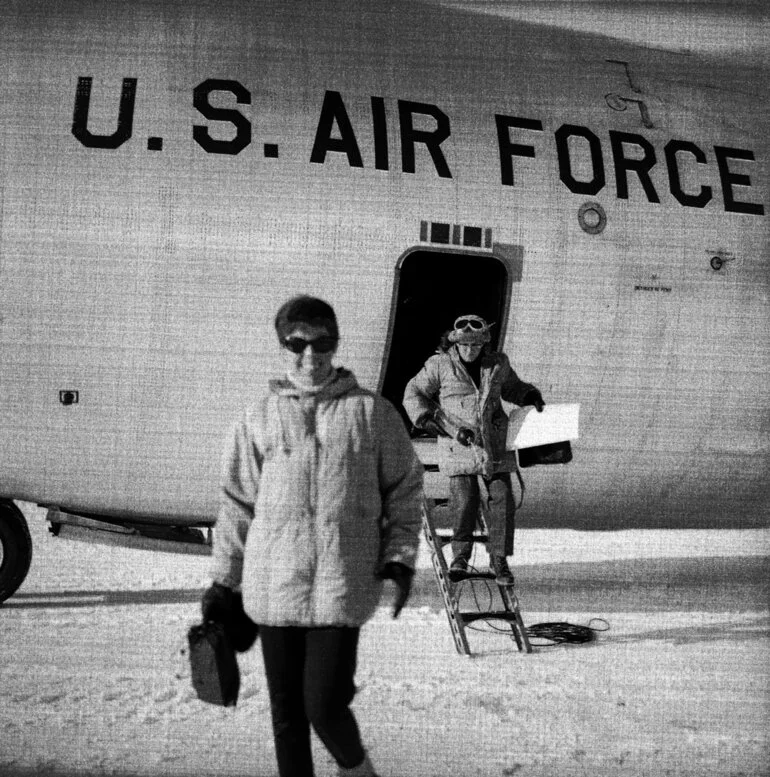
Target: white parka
{"type": "Point", "coordinates": [319, 490]}
{"type": "Point", "coordinates": [445, 382]}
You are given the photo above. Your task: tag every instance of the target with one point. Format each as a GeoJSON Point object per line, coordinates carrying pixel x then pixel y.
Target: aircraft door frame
{"type": "Point", "coordinates": [432, 286]}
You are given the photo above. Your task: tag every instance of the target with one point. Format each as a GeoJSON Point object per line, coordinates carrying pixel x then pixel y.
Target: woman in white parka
{"type": "Point", "coordinates": [321, 498]}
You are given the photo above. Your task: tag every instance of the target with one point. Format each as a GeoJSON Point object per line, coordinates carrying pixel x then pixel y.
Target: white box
{"type": "Point", "coordinates": [527, 427]}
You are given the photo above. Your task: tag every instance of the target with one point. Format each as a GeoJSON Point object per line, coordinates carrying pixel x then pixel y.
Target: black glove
{"type": "Point", "coordinates": [465, 436]}
{"type": "Point", "coordinates": [217, 603]}
{"type": "Point", "coordinates": [429, 424]}
{"type": "Point", "coordinates": [223, 605]}
{"type": "Point", "coordinates": [402, 576]}
{"type": "Point", "coordinates": [534, 397]}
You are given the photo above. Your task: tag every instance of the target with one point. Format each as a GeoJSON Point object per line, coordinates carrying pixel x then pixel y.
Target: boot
{"type": "Point", "coordinates": [461, 555]}
{"type": "Point", "coordinates": [503, 574]}
{"type": "Point", "coordinates": [364, 769]}
{"type": "Point", "coordinates": [458, 569]}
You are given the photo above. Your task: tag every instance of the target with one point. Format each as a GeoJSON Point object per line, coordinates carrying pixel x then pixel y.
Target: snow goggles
{"type": "Point", "coordinates": [322, 344]}
{"type": "Point", "coordinates": [473, 323]}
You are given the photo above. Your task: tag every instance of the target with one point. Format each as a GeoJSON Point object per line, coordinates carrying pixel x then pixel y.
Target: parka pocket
{"type": "Point", "coordinates": [457, 459]}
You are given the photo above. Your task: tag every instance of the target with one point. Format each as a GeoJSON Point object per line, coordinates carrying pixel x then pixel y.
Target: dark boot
{"type": "Point", "coordinates": [458, 569]}
{"type": "Point", "coordinates": [503, 574]}
{"type": "Point", "coordinates": [462, 551]}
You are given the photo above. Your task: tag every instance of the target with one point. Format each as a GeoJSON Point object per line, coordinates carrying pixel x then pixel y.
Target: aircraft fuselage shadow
{"type": "Point", "coordinates": [756, 629]}
{"type": "Point", "coordinates": [713, 584]}
{"type": "Point", "coordinates": [76, 599]}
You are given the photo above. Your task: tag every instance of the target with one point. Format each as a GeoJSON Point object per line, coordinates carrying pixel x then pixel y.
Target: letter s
{"type": "Point", "coordinates": [243, 126]}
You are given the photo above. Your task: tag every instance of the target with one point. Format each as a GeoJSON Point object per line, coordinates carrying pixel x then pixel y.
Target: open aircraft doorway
{"type": "Point", "coordinates": [432, 288]}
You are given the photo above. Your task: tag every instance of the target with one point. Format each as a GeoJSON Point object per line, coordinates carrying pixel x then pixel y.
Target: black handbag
{"type": "Point", "coordinates": [213, 664]}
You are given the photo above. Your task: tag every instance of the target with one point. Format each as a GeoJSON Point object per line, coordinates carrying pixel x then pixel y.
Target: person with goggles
{"type": "Point", "coordinates": [457, 396]}
{"type": "Point", "coordinates": [321, 501]}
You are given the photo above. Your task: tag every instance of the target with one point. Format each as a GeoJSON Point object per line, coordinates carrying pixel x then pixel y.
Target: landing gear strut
{"type": "Point", "coordinates": [15, 549]}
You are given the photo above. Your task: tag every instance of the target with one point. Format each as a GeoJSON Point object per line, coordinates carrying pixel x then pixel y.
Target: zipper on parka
{"type": "Point", "coordinates": [477, 393]}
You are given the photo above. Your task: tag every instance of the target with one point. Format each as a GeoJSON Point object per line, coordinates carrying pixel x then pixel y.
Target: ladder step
{"type": "Point", "coordinates": [459, 577]}
{"type": "Point", "coordinates": [498, 615]}
{"type": "Point", "coordinates": [447, 535]}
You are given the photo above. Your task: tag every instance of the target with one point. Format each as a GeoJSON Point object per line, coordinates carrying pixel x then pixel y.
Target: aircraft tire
{"type": "Point", "coordinates": [15, 549]}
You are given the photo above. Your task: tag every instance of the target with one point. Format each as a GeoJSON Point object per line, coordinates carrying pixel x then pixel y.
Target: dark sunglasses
{"type": "Point", "coordinates": [319, 345]}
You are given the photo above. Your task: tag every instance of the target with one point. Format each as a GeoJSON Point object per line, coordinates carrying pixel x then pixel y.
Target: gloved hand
{"type": "Point", "coordinates": [225, 606]}
{"type": "Point", "coordinates": [534, 397]}
{"type": "Point", "coordinates": [465, 436]}
{"type": "Point", "coordinates": [217, 603]}
{"type": "Point", "coordinates": [402, 576]}
{"type": "Point", "coordinates": [429, 424]}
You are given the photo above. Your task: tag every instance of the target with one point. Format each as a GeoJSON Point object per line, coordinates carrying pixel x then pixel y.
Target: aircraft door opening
{"type": "Point", "coordinates": [432, 289]}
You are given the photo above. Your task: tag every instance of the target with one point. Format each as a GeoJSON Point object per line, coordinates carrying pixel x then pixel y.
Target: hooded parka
{"type": "Point", "coordinates": [445, 383]}
{"type": "Point", "coordinates": [319, 491]}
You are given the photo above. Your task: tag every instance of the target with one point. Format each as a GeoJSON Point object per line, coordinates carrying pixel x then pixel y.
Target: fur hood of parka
{"type": "Point", "coordinates": [319, 491]}
{"type": "Point", "coordinates": [445, 382]}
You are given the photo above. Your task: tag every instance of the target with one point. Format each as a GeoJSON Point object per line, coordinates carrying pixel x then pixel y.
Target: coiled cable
{"type": "Point", "coordinates": [549, 634]}
{"type": "Point", "coordinates": [561, 632]}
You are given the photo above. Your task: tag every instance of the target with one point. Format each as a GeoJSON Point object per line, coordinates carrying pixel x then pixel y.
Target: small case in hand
{"type": "Point", "coordinates": [213, 664]}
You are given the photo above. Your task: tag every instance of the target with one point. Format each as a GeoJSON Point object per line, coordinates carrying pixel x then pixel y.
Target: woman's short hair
{"type": "Point", "coordinates": [305, 310]}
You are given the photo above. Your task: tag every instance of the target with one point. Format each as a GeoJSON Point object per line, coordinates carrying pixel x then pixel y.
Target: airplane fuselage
{"type": "Point", "coordinates": [171, 174]}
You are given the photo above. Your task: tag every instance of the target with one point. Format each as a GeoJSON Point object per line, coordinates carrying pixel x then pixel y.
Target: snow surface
{"type": "Point", "coordinates": [94, 680]}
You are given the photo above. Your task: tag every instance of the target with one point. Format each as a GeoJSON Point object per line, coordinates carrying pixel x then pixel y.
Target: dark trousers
{"type": "Point", "coordinates": [310, 680]}
{"type": "Point", "coordinates": [465, 498]}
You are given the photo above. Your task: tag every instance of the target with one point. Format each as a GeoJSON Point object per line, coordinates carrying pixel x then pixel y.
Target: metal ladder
{"type": "Point", "coordinates": [450, 592]}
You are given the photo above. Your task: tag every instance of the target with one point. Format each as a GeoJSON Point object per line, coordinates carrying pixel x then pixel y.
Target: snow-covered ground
{"type": "Point", "coordinates": [93, 680]}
